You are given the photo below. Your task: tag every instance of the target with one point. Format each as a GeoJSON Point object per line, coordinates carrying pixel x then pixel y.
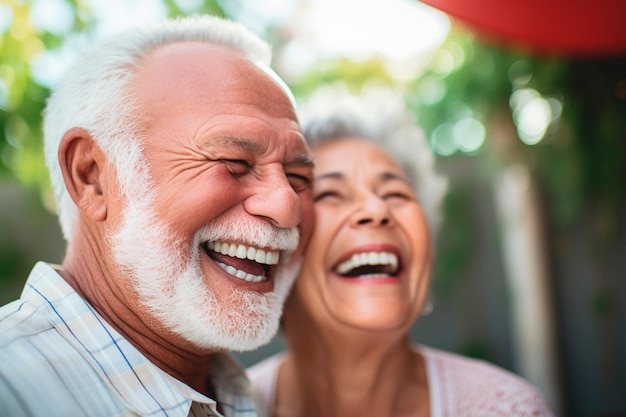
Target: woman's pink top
{"type": "Point", "coordinates": [458, 386]}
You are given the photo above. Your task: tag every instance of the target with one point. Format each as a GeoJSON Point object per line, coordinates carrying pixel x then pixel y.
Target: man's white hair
{"type": "Point", "coordinates": [379, 115]}
{"type": "Point", "coordinates": [95, 94]}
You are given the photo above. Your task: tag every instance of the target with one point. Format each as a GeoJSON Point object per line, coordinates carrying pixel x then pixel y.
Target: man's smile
{"type": "Point", "coordinates": [244, 262]}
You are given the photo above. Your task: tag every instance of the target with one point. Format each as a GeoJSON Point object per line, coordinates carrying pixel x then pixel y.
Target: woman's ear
{"type": "Point", "coordinates": [83, 167]}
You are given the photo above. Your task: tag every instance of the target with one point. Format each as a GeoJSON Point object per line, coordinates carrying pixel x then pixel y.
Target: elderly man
{"type": "Point", "coordinates": [183, 187]}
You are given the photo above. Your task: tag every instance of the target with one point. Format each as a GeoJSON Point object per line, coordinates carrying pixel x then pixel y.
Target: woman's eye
{"type": "Point", "coordinates": [326, 195]}
{"type": "Point", "coordinates": [394, 196]}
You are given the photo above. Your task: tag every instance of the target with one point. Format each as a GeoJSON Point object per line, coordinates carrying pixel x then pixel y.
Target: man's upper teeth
{"type": "Point", "coordinates": [262, 256]}
{"type": "Point", "coordinates": [368, 258]}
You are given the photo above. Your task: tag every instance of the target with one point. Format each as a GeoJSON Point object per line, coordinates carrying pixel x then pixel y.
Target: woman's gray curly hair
{"type": "Point", "coordinates": [379, 115]}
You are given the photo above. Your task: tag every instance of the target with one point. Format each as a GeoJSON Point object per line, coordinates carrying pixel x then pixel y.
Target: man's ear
{"type": "Point", "coordinates": [83, 167]}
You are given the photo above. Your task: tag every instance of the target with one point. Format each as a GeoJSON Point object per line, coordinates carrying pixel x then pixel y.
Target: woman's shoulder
{"type": "Point", "coordinates": [266, 369]}
{"type": "Point", "coordinates": [263, 376]}
{"type": "Point", "coordinates": [465, 383]}
{"type": "Point", "coordinates": [463, 368]}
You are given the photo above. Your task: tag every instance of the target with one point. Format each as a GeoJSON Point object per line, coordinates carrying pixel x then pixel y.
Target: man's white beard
{"type": "Point", "coordinates": [167, 276]}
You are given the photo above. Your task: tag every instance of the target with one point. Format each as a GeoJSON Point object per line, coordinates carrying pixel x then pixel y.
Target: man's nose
{"type": "Point", "coordinates": [274, 199]}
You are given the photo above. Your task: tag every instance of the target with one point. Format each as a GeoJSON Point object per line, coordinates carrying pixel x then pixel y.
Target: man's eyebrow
{"type": "Point", "coordinates": [248, 145]}
{"type": "Point", "coordinates": [303, 159]}
{"type": "Point", "coordinates": [253, 146]}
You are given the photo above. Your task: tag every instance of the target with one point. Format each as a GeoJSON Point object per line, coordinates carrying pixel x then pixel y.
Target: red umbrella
{"type": "Point", "coordinates": [571, 27]}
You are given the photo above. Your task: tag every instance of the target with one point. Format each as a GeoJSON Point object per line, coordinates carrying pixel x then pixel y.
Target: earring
{"type": "Point", "coordinates": [428, 307]}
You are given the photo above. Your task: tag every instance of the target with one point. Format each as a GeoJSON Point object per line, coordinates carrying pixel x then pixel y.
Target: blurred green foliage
{"type": "Point", "coordinates": [581, 161]}
{"type": "Point", "coordinates": [22, 98]}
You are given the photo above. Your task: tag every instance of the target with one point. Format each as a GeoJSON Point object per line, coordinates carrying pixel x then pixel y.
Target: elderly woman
{"type": "Point", "coordinates": [365, 280]}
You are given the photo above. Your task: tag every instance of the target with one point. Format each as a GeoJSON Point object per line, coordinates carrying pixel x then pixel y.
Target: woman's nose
{"type": "Point", "coordinates": [372, 211]}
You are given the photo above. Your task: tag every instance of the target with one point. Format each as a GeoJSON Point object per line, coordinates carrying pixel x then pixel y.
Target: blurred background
{"type": "Point", "coordinates": [523, 102]}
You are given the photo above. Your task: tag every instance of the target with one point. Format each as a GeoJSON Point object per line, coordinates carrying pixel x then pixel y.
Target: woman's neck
{"type": "Point", "coordinates": [353, 374]}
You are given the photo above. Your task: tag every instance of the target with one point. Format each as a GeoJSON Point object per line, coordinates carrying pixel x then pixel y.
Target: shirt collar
{"type": "Point", "coordinates": [144, 387]}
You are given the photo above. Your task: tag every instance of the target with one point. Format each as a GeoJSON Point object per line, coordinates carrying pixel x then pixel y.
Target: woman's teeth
{"type": "Point", "coordinates": [387, 260]}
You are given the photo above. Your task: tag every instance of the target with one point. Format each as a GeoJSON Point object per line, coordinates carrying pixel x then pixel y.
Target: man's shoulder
{"type": "Point", "coordinates": [42, 373]}
{"type": "Point", "coordinates": [29, 317]}
{"type": "Point", "coordinates": [40, 370]}
{"type": "Point", "coordinates": [28, 341]}
{"type": "Point", "coordinates": [20, 319]}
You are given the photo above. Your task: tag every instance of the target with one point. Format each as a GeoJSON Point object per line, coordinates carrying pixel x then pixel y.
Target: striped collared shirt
{"type": "Point", "coordinates": [58, 357]}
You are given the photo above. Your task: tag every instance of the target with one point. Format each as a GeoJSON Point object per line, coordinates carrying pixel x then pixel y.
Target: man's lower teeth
{"type": "Point", "coordinates": [241, 274]}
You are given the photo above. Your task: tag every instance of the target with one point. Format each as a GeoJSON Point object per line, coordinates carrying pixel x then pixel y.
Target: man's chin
{"type": "Point", "coordinates": [239, 329]}
{"type": "Point", "coordinates": [255, 343]}
{"type": "Point", "coordinates": [224, 344]}
{"type": "Point", "coordinates": [240, 320]}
